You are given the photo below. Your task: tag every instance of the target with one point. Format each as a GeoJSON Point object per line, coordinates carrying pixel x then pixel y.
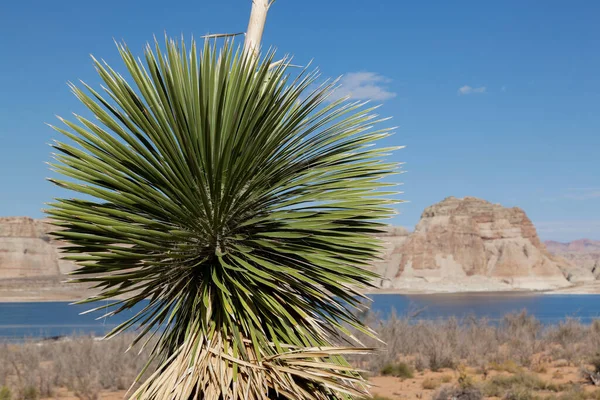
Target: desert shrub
{"type": "Point", "coordinates": [561, 363]}
{"type": "Point", "coordinates": [465, 381]}
{"type": "Point", "coordinates": [446, 378]}
{"type": "Point", "coordinates": [595, 362]}
{"type": "Point", "coordinates": [30, 393]}
{"type": "Point", "coordinates": [479, 343]}
{"type": "Point", "coordinates": [117, 369]}
{"type": "Point", "coordinates": [517, 385]}
{"type": "Point", "coordinates": [456, 393]}
{"type": "Point", "coordinates": [592, 338]}
{"type": "Point", "coordinates": [438, 347]}
{"type": "Point", "coordinates": [574, 393]}
{"type": "Point", "coordinates": [519, 393]}
{"type": "Point", "coordinates": [397, 333]}
{"type": "Point", "coordinates": [522, 333]}
{"type": "Point", "coordinates": [557, 375]}
{"type": "Point", "coordinates": [540, 367]}
{"type": "Point", "coordinates": [81, 364]}
{"type": "Point", "coordinates": [80, 374]}
{"type": "Point", "coordinates": [506, 366]}
{"type": "Point", "coordinates": [5, 366]}
{"type": "Point", "coordinates": [30, 376]}
{"type": "Point", "coordinates": [568, 339]}
{"type": "Point", "coordinates": [592, 376]}
{"type": "Point", "coordinates": [595, 395]}
{"type": "Point", "coordinates": [5, 393]}
{"type": "Point", "coordinates": [431, 383]}
{"type": "Point", "coordinates": [399, 370]}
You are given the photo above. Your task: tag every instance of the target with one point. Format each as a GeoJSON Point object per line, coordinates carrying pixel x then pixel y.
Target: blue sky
{"type": "Point", "coordinates": [498, 100]}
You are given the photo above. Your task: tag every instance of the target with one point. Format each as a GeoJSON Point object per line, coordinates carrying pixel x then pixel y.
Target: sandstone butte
{"type": "Point", "coordinates": [473, 245]}
{"type": "Point", "coordinates": [458, 245]}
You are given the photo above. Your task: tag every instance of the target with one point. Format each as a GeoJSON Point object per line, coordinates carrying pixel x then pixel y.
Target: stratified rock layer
{"type": "Point", "coordinates": [583, 253]}
{"type": "Point", "coordinates": [458, 245]}
{"type": "Point", "coordinates": [27, 251]}
{"type": "Point", "coordinates": [471, 245]}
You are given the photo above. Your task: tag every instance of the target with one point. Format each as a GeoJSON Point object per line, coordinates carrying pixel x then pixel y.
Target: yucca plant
{"type": "Point", "coordinates": [238, 204]}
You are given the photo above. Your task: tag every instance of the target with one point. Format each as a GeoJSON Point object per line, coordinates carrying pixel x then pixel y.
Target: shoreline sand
{"type": "Point", "coordinates": [64, 293]}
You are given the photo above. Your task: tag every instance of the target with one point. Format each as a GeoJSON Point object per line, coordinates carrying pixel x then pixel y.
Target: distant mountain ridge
{"type": "Point", "coordinates": [583, 252]}
{"type": "Point", "coordinates": [579, 246]}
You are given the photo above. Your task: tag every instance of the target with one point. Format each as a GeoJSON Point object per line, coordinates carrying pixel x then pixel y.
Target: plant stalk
{"type": "Point", "coordinates": [256, 26]}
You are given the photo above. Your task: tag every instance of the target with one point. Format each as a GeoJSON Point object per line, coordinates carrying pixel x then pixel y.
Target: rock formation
{"type": "Point", "coordinates": [471, 245]}
{"type": "Point", "coordinates": [393, 239]}
{"type": "Point", "coordinates": [583, 253]}
{"type": "Point", "coordinates": [458, 245]}
{"type": "Point", "coordinates": [27, 251]}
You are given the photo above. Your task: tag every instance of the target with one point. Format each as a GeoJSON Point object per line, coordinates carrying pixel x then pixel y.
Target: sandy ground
{"type": "Point", "coordinates": [28, 292]}
{"type": "Point", "coordinates": [12, 295]}
{"type": "Point", "coordinates": [66, 395]}
{"type": "Point", "coordinates": [587, 288]}
{"type": "Point", "coordinates": [413, 388]}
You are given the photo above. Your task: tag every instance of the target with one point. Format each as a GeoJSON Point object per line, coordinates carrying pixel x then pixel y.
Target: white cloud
{"type": "Point", "coordinates": [364, 86]}
{"type": "Point", "coordinates": [470, 90]}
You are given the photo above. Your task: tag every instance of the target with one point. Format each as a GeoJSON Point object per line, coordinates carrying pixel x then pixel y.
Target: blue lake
{"type": "Point", "coordinates": [36, 320]}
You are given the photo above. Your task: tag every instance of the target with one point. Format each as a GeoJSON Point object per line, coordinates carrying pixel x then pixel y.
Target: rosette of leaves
{"type": "Point", "coordinates": [237, 204]}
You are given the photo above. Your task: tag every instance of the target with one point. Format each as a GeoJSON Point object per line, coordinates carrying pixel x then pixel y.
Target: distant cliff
{"type": "Point", "coordinates": [26, 250]}
{"type": "Point", "coordinates": [584, 253]}
{"type": "Point", "coordinates": [471, 245]}
{"type": "Point", "coordinates": [458, 245]}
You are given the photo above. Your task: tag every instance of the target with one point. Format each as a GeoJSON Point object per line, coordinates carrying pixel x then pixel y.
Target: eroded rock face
{"type": "Point", "coordinates": [26, 249]}
{"type": "Point", "coordinates": [471, 244]}
{"type": "Point", "coordinates": [458, 245]}
{"type": "Point", "coordinates": [583, 253]}
{"type": "Point", "coordinates": [393, 240]}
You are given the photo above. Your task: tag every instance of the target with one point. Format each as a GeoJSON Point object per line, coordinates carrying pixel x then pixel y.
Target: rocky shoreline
{"type": "Point", "coordinates": [71, 292]}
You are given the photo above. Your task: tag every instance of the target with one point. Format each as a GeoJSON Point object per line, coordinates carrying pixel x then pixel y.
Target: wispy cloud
{"type": "Point", "coordinates": [364, 86]}
{"type": "Point", "coordinates": [569, 229]}
{"type": "Point", "coordinates": [582, 193]}
{"type": "Point", "coordinates": [579, 194]}
{"type": "Point", "coordinates": [471, 90]}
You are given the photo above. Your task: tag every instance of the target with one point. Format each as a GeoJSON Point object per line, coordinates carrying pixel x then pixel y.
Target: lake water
{"type": "Point", "coordinates": [36, 320]}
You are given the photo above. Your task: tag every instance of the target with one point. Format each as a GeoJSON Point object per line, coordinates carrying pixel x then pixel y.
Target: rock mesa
{"type": "Point", "coordinates": [470, 245]}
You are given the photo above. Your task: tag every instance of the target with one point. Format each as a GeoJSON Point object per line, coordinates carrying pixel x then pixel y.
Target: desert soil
{"type": "Point", "coordinates": [412, 388]}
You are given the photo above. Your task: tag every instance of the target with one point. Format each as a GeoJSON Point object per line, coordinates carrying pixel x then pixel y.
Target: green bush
{"type": "Point", "coordinates": [595, 362]}
{"type": "Point", "coordinates": [520, 394]}
{"type": "Point", "coordinates": [517, 387]}
{"type": "Point", "coordinates": [5, 393]}
{"type": "Point", "coordinates": [30, 393]}
{"type": "Point", "coordinates": [399, 370]}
